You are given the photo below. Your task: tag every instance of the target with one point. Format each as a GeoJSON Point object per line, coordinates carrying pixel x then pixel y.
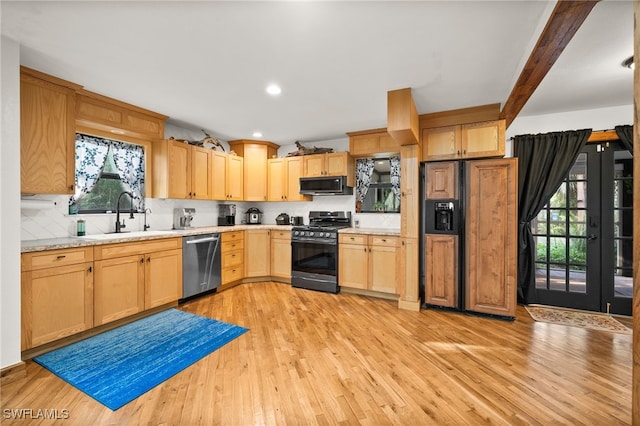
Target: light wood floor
{"type": "Point", "coordinates": [318, 358]}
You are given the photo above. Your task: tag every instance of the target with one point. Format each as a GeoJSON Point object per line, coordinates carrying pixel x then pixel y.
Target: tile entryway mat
{"type": "Point", "coordinates": [590, 320]}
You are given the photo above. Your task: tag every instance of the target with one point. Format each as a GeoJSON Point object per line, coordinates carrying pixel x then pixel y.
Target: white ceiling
{"type": "Point", "coordinates": [206, 63]}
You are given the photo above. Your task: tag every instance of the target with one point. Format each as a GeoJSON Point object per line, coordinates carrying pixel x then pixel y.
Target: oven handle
{"type": "Point", "coordinates": [202, 240]}
{"type": "Point", "coordinates": [311, 240]}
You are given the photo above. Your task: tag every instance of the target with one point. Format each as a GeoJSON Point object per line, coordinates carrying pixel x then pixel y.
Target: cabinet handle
{"type": "Point", "coordinates": [90, 268]}
{"type": "Point", "coordinates": [62, 256]}
{"type": "Point", "coordinates": [365, 249]}
{"type": "Point", "coordinates": [384, 240]}
{"type": "Point", "coordinates": [71, 187]}
{"type": "Point", "coordinates": [142, 260]}
{"type": "Point", "coordinates": [148, 259]}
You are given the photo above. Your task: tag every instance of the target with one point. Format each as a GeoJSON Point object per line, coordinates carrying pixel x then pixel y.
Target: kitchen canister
{"type": "Point", "coordinates": [80, 227]}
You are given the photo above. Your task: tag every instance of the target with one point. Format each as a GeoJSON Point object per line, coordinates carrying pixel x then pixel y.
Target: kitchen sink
{"type": "Point", "coordinates": [118, 235]}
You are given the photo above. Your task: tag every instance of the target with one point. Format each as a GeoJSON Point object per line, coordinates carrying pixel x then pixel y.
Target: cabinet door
{"type": "Point", "coordinates": [163, 278]}
{"type": "Point", "coordinates": [47, 137]}
{"type": "Point", "coordinates": [314, 165]}
{"type": "Point", "coordinates": [56, 302]}
{"type": "Point", "coordinates": [441, 270]}
{"type": "Point", "coordinates": [441, 180]}
{"type": "Point", "coordinates": [491, 236]}
{"type": "Point", "coordinates": [336, 164]}
{"type": "Point", "coordinates": [383, 261]}
{"type": "Point", "coordinates": [485, 139]}
{"type": "Point", "coordinates": [255, 172]}
{"type": "Point", "coordinates": [353, 265]}
{"type": "Point", "coordinates": [295, 168]}
{"type": "Point", "coordinates": [388, 144]}
{"type": "Point", "coordinates": [235, 178]}
{"type": "Point", "coordinates": [257, 251]}
{"type": "Point", "coordinates": [364, 144]}
{"type": "Point", "coordinates": [277, 169]}
{"type": "Point", "coordinates": [218, 176]}
{"type": "Point", "coordinates": [281, 255]}
{"type": "Point", "coordinates": [179, 179]}
{"type": "Point", "coordinates": [409, 192]}
{"type": "Point", "coordinates": [441, 143]}
{"type": "Point", "coordinates": [119, 288]}
{"type": "Point", "coordinates": [201, 169]}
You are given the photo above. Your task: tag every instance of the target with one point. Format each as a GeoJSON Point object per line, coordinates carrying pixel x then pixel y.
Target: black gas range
{"type": "Point", "coordinates": [314, 251]}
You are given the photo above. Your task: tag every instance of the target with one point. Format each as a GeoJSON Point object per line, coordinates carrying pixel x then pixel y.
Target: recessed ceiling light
{"type": "Point", "coordinates": [274, 89]}
{"type": "Point", "coordinates": [257, 134]}
{"type": "Point", "coordinates": [629, 63]}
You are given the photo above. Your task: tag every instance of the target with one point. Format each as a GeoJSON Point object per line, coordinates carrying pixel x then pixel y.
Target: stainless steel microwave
{"type": "Point", "coordinates": [325, 185]}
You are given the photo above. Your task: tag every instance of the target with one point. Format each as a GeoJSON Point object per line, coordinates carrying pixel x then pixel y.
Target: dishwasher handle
{"type": "Point", "coordinates": [202, 240]}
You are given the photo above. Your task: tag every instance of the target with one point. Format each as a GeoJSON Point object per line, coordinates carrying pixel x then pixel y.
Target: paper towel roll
{"type": "Point", "coordinates": [36, 204]}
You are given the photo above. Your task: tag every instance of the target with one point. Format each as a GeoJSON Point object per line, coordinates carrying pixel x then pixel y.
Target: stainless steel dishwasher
{"type": "Point", "coordinates": [200, 264]}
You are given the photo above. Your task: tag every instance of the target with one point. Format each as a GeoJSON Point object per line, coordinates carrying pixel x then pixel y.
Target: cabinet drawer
{"type": "Point", "coordinates": [109, 251]}
{"type": "Point", "coordinates": [231, 274]}
{"type": "Point", "coordinates": [232, 236]}
{"type": "Point", "coordinates": [281, 235]}
{"type": "Point", "coordinates": [53, 258]}
{"type": "Point", "coordinates": [380, 240]}
{"type": "Point", "coordinates": [352, 239]}
{"type": "Point", "coordinates": [232, 258]}
{"type": "Point", "coordinates": [232, 245]}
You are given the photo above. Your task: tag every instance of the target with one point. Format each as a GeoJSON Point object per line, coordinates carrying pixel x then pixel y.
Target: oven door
{"type": "Point", "coordinates": [314, 265]}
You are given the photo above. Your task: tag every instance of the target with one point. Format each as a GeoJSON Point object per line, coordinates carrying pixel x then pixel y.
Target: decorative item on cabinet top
{"type": "Point", "coordinates": [208, 142]}
{"type": "Point", "coordinates": [302, 150]}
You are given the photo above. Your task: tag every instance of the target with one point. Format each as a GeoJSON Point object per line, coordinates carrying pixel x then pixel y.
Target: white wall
{"type": "Point", "coordinates": [9, 206]}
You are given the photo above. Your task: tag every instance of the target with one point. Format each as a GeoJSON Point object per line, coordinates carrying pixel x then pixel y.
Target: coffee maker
{"type": "Point", "coordinates": [226, 214]}
{"type": "Point", "coordinates": [182, 217]}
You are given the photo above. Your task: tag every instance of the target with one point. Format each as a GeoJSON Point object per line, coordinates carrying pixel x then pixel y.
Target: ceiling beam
{"type": "Point", "coordinates": [563, 23]}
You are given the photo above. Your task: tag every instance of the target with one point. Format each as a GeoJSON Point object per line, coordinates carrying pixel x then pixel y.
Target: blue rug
{"type": "Point", "coordinates": [119, 365]}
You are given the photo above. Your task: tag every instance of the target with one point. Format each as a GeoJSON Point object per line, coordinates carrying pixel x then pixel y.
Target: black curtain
{"type": "Point", "coordinates": [543, 162]}
{"type": "Point", "coordinates": [625, 133]}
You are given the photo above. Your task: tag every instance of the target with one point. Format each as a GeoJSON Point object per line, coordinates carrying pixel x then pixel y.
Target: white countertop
{"type": "Point", "coordinates": [99, 239]}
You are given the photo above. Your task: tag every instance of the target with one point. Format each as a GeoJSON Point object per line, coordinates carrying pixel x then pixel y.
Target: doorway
{"type": "Point", "coordinates": [584, 235]}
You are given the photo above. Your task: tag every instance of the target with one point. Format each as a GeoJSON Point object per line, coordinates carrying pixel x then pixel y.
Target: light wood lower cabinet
{"type": "Point", "coordinates": [281, 254]}
{"type": "Point", "coordinates": [441, 270]}
{"type": "Point", "coordinates": [368, 262]}
{"type": "Point", "coordinates": [133, 277]}
{"type": "Point", "coordinates": [257, 248]}
{"type": "Point", "coordinates": [232, 256]}
{"type": "Point", "coordinates": [56, 295]}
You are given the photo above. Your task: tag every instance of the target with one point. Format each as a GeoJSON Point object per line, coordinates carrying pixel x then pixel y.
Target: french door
{"type": "Point", "coordinates": [584, 235]}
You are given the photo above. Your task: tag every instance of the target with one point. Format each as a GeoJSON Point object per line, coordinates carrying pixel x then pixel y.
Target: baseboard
{"type": "Point", "coordinates": [371, 293]}
{"type": "Point", "coordinates": [409, 306]}
{"type": "Point", "coordinates": [13, 372]}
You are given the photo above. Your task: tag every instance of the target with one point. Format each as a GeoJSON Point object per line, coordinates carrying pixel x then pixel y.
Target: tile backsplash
{"type": "Point", "coordinates": [46, 216]}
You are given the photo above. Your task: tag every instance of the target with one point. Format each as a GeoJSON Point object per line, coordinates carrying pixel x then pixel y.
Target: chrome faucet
{"type": "Point", "coordinates": [119, 225]}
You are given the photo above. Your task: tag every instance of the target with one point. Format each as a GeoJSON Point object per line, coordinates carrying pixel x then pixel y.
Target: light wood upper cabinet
{"type": "Point", "coordinates": [227, 177]}
{"type": "Point", "coordinates": [368, 262]}
{"type": "Point", "coordinates": [284, 179]}
{"type": "Point", "coordinates": [475, 140]}
{"type": "Point", "coordinates": [491, 236]}
{"type": "Point", "coordinates": [47, 134]}
{"type": "Point", "coordinates": [255, 154]}
{"type": "Point", "coordinates": [57, 295]}
{"type": "Point", "coordinates": [372, 143]}
{"type": "Point", "coordinates": [330, 164]}
{"type": "Point", "coordinates": [181, 170]}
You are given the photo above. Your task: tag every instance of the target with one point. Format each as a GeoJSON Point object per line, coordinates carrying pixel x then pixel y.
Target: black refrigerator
{"type": "Point", "coordinates": [469, 235]}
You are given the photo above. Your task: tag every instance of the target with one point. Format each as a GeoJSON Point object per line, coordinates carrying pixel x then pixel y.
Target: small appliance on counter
{"type": "Point", "coordinates": [253, 216]}
{"type": "Point", "coordinates": [182, 217]}
{"type": "Point", "coordinates": [226, 214]}
{"type": "Point", "coordinates": [297, 220]}
{"type": "Point", "coordinates": [282, 219]}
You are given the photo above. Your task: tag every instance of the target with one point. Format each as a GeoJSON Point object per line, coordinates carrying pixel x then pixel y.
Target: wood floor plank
{"type": "Point", "coordinates": [323, 359]}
